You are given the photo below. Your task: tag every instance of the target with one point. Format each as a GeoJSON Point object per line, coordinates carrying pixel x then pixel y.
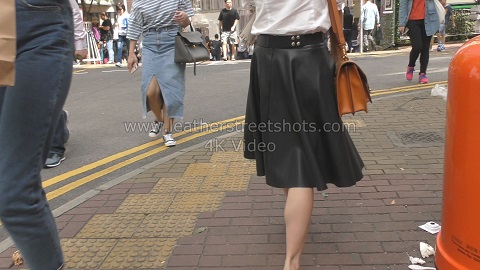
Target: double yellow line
{"type": "Point", "coordinates": [197, 132]}
{"type": "Point", "coordinates": [409, 88]}
{"type": "Point", "coordinates": [204, 130]}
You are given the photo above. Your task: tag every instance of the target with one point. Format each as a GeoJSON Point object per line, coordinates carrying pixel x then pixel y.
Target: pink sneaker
{"type": "Point", "coordinates": [409, 74]}
{"type": "Point", "coordinates": [422, 78]}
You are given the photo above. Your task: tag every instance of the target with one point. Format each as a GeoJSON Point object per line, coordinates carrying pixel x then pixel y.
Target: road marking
{"type": "Point", "coordinates": [117, 70]}
{"type": "Point", "coordinates": [69, 187]}
{"type": "Point", "coordinates": [432, 70]}
{"type": "Point", "coordinates": [80, 71]}
{"type": "Point", "coordinates": [91, 166]}
{"type": "Point", "coordinates": [402, 90]}
{"type": "Point", "coordinates": [405, 88]}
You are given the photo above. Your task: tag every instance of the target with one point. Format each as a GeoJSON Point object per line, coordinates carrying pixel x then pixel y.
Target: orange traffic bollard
{"type": "Point", "coordinates": [458, 243]}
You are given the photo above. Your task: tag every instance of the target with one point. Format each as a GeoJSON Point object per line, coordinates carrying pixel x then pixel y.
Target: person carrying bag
{"type": "Point", "coordinates": [293, 129]}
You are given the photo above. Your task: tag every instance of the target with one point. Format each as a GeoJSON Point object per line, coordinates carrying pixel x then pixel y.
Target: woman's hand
{"type": "Point", "coordinates": [401, 29]}
{"type": "Point", "coordinates": [132, 62]}
{"type": "Point", "coordinates": [181, 18]}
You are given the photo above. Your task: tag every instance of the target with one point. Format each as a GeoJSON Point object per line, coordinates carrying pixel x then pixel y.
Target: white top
{"type": "Point", "coordinates": [369, 15]}
{"type": "Point", "coordinates": [291, 17]}
{"type": "Point", "coordinates": [123, 23]}
{"type": "Point", "coordinates": [79, 27]}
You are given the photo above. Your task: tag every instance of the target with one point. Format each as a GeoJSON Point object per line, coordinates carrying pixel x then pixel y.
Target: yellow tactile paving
{"type": "Point", "coordinates": [227, 156]}
{"type": "Point", "coordinates": [111, 226]}
{"type": "Point", "coordinates": [166, 225]}
{"type": "Point", "coordinates": [225, 183]}
{"type": "Point", "coordinates": [146, 203]}
{"type": "Point", "coordinates": [86, 253]}
{"type": "Point", "coordinates": [205, 169]}
{"type": "Point", "coordinates": [143, 231]}
{"type": "Point", "coordinates": [245, 167]}
{"type": "Point", "coordinates": [149, 253]}
{"type": "Point", "coordinates": [196, 202]}
{"type": "Point", "coordinates": [178, 184]}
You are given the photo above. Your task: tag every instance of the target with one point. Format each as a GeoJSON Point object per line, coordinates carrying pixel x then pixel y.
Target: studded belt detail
{"type": "Point", "coordinates": [289, 42]}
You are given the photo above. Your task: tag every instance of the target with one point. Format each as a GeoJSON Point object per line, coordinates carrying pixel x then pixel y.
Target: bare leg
{"type": "Point", "coordinates": [234, 50]}
{"type": "Point", "coordinates": [155, 100]}
{"type": "Point", "coordinates": [298, 211]}
{"type": "Point", "coordinates": [157, 105]}
{"type": "Point", "coordinates": [225, 52]}
{"type": "Point", "coordinates": [168, 122]}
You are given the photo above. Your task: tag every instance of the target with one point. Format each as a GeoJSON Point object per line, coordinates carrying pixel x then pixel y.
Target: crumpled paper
{"type": "Point", "coordinates": [440, 90]}
{"type": "Point", "coordinates": [415, 260]}
{"type": "Point", "coordinates": [426, 250]}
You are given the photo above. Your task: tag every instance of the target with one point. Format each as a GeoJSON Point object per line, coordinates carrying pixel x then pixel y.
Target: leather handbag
{"type": "Point", "coordinates": [190, 48]}
{"type": "Point", "coordinates": [351, 83]}
{"type": "Point", "coordinates": [8, 43]}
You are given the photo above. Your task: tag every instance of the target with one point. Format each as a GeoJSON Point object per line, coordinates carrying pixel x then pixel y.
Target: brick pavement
{"type": "Point", "coordinates": [207, 209]}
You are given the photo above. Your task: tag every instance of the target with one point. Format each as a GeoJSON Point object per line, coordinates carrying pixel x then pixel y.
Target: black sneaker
{"type": "Point", "coordinates": [156, 126]}
{"type": "Point", "coordinates": [54, 159]}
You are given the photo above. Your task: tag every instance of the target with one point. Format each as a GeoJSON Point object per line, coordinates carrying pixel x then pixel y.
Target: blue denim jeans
{"type": "Point", "coordinates": [120, 42]}
{"type": "Point", "coordinates": [61, 134]}
{"type": "Point", "coordinates": [111, 53]}
{"type": "Point", "coordinates": [29, 112]}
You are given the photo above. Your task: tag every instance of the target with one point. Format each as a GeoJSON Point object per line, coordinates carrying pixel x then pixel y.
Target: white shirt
{"type": "Point", "coordinates": [123, 23]}
{"type": "Point", "coordinates": [369, 15]}
{"type": "Point", "coordinates": [291, 17]}
{"type": "Point", "coordinates": [79, 27]}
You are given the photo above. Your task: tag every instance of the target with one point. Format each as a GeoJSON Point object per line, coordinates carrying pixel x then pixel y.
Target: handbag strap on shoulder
{"type": "Point", "coordinates": [337, 27]}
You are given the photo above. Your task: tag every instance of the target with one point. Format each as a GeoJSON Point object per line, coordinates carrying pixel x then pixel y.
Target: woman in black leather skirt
{"type": "Point", "coordinates": [293, 129]}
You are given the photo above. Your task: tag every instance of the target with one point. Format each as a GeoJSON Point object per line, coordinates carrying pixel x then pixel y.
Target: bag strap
{"type": "Point", "coordinates": [194, 60]}
{"type": "Point", "coordinates": [337, 45]}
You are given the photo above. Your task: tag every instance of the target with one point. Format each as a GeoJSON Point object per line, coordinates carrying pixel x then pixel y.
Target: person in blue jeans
{"type": "Point", "coordinates": [29, 112]}
{"type": "Point", "coordinates": [106, 37]}
{"type": "Point", "coordinates": [122, 33]}
{"type": "Point", "coordinates": [56, 154]}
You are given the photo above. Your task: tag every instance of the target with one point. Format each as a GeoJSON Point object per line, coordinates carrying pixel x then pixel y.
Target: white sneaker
{"type": "Point", "coordinates": [118, 64]}
{"type": "Point", "coordinates": [169, 140]}
{"type": "Point", "coordinates": [155, 129]}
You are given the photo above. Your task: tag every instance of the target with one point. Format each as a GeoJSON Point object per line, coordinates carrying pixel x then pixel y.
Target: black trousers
{"type": "Point", "coordinates": [348, 38]}
{"type": "Point", "coordinates": [420, 44]}
{"type": "Point", "coordinates": [216, 55]}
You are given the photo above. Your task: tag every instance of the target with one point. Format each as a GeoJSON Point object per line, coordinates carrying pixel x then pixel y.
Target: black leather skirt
{"type": "Point", "coordinates": [293, 129]}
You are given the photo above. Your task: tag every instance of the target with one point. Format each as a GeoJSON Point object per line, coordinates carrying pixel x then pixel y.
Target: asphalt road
{"type": "Point", "coordinates": [105, 102]}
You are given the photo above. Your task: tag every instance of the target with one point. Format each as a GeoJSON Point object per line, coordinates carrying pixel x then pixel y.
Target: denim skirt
{"type": "Point", "coordinates": [293, 129]}
{"type": "Point", "coordinates": [158, 61]}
